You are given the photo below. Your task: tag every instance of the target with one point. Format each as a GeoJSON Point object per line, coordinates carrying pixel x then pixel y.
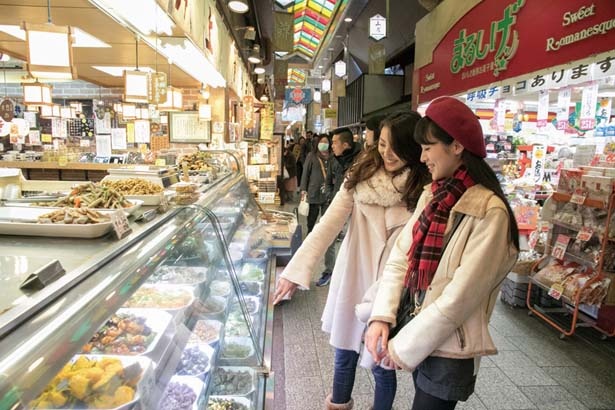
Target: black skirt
{"type": "Point", "coordinates": [446, 379]}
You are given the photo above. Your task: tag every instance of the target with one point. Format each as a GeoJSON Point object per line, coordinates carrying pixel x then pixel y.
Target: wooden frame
{"type": "Point", "coordinates": [185, 126]}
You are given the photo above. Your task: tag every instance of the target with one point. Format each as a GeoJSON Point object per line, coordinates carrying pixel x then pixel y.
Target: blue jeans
{"type": "Point", "coordinates": [343, 381]}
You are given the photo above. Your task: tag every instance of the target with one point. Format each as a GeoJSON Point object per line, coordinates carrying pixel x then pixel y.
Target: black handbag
{"type": "Point", "coordinates": [407, 302]}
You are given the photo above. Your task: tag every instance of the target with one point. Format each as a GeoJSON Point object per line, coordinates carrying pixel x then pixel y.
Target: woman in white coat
{"type": "Point", "coordinates": [379, 194]}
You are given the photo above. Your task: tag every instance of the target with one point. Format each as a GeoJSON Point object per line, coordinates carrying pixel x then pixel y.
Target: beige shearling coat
{"type": "Point", "coordinates": [454, 317]}
{"type": "Point", "coordinates": [377, 215]}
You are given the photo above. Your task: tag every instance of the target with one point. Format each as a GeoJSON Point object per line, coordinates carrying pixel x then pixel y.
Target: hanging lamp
{"type": "Point", "coordinates": [174, 100]}
{"type": "Point", "coordinates": [136, 83]}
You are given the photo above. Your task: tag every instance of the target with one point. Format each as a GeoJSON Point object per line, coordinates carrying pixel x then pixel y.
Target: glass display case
{"type": "Point", "coordinates": [178, 317]}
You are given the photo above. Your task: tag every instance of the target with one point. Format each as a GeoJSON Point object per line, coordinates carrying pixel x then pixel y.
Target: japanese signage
{"type": "Point", "coordinates": [499, 39]}
{"type": "Point", "coordinates": [298, 96]}
{"type": "Point", "coordinates": [283, 32]}
{"type": "Point", "coordinates": [538, 163]}
{"type": "Point", "coordinates": [542, 114]}
{"type": "Point", "coordinates": [377, 27]}
{"type": "Point", "coordinates": [7, 110]}
{"type": "Point", "coordinates": [588, 107]}
{"type": "Point", "coordinates": [267, 119]}
{"type": "Point", "coordinates": [563, 104]}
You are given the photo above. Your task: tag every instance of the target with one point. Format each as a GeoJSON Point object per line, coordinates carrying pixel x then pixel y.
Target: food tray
{"type": "Point", "coordinates": [253, 305]}
{"type": "Point", "coordinates": [144, 387]}
{"type": "Point", "coordinates": [243, 401]}
{"type": "Point", "coordinates": [215, 389]}
{"type": "Point", "coordinates": [177, 312]}
{"type": "Point", "coordinates": [195, 384]}
{"type": "Point", "coordinates": [22, 221]}
{"type": "Point", "coordinates": [202, 309]}
{"type": "Point", "coordinates": [251, 288]}
{"type": "Point", "coordinates": [207, 351]}
{"type": "Point", "coordinates": [252, 272]}
{"type": "Point", "coordinates": [214, 324]}
{"type": "Point", "coordinates": [157, 320]}
{"type": "Point", "coordinates": [189, 275]}
{"type": "Point", "coordinates": [220, 288]}
{"type": "Point", "coordinates": [243, 341]}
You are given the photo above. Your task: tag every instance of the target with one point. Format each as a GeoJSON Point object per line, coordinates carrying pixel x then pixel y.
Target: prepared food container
{"type": "Point", "coordinates": [220, 288]}
{"type": "Point", "coordinates": [252, 272]}
{"type": "Point", "coordinates": [130, 332]}
{"type": "Point", "coordinates": [236, 350]}
{"type": "Point", "coordinates": [213, 306]}
{"type": "Point", "coordinates": [206, 331]}
{"type": "Point", "coordinates": [228, 403]}
{"type": "Point", "coordinates": [195, 361]}
{"type": "Point", "coordinates": [130, 378]}
{"type": "Point", "coordinates": [251, 288]}
{"type": "Point", "coordinates": [175, 299]}
{"type": "Point", "coordinates": [179, 275]}
{"type": "Point", "coordinates": [233, 381]}
{"type": "Point", "coordinates": [183, 393]}
{"type": "Point", "coordinates": [253, 305]}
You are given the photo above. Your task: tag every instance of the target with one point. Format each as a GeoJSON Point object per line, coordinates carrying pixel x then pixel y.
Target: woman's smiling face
{"type": "Point", "coordinates": [391, 161]}
{"type": "Point", "coordinates": [442, 160]}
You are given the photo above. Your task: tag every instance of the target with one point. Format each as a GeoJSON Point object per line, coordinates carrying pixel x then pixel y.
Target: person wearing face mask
{"type": "Point", "coordinates": [313, 180]}
{"type": "Point", "coordinates": [451, 257]}
{"type": "Point", "coordinates": [377, 198]}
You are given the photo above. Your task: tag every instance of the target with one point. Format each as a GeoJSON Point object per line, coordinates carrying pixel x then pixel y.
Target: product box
{"type": "Point", "coordinates": [569, 180]}
{"type": "Point", "coordinates": [597, 187]}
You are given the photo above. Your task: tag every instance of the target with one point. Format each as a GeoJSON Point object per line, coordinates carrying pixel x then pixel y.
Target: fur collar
{"type": "Point", "coordinates": [381, 189]}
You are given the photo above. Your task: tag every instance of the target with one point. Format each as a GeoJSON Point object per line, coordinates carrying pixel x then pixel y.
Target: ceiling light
{"type": "Point", "coordinates": [190, 59]}
{"type": "Point", "coordinates": [136, 86]}
{"type": "Point", "coordinates": [145, 16]}
{"type": "Point", "coordinates": [607, 94]}
{"type": "Point", "coordinates": [85, 39]}
{"type": "Point", "coordinates": [36, 93]}
{"type": "Point", "coordinates": [118, 71]}
{"type": "Point", "coordinates": [347, 19]}
{"type": "Point", "coordinates": [49, 51]}
{"type": "Point", "coordinates": [259, 70]}
{"type": "Point", "coordinates": [280, 54]}
{"type": "Point", "coordinates": [205, 93]}
{"type": "Point", "coordinates": [238, 6]}
{"type": "Point", "coordinates": [264, 98]}
{"type": "Point", "coordinates": [284, 3]}
{"type": "Point", "coordinates": [317, 95]}
{"type": "Point", "coordinates": [319, 66]}
{"type": "Point", "coordinates": [255, 55]}
{"type": "Point", "coordinates": [340, 68]}
{"type": "Point", "coordinates": [174, 100]}
{"type": "Point", "coordinates": [326, 85]}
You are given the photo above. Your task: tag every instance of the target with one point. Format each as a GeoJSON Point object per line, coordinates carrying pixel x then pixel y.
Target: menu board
{"type": "Point", "coordinates": [186, 127]}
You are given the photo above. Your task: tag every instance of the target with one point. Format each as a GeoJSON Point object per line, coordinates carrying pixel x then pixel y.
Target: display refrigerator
{"type": "Point", "coordinates": [178, 315]}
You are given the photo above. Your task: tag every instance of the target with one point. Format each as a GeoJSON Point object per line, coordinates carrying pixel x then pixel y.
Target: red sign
{"type": "Point", "coordinates": [501, 39]}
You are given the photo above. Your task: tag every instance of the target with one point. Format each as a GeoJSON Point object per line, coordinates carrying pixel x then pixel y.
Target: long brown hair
{"type": "Point", "coordinates": [478, 169]}
{"type": "Point", "coordinates": [401, 126]}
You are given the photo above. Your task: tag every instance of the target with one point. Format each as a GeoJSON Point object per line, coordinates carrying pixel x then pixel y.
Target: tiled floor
{"type": "Point", "coordinates": [533, 370]}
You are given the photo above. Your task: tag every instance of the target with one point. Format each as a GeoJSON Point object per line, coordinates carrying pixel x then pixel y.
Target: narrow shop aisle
{"type": "Point", "coordinates": [534, 369]}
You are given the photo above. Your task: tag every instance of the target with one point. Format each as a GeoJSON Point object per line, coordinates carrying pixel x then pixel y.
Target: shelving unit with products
{"type": "Point", "coordinates": [578, 270]}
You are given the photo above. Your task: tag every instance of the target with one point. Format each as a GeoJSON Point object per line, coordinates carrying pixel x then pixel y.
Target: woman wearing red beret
{"type": "Point", "coordinates": [452, 257]}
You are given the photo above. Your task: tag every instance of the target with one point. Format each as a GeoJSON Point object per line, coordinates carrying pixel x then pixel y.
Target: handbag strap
{"type": "Point", "coordinates": [322, 168]}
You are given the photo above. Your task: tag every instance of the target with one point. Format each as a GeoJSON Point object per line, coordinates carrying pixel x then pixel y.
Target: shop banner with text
{"type": "Point", "coordinates": [501, 39]}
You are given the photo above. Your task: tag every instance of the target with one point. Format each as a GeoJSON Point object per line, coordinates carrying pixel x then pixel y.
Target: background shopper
{"type": "Point", "coordinates": [455, 287]}
{"type": "Point", "coordinates": [379, 194]}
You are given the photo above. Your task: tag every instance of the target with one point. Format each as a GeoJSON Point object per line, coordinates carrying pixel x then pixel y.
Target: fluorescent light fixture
{"type": "Point", "coordinates": [348, 20]}
{"type": "Point", "coordinates": [174, 100]}
{"type": "Point", "coordinates": [145, 16]}
{"type": "Point", "coordinates": [136, 86]}
{"type": "Point", "coordinates": [189, 58]}
{"type": "Point", "coordinates": [85, 39]}
{"type": "Point", "coordinates": [259, 70]}
{"type": "Point", "coordinates": [204, 111]}
{"type": "Point", "coordinates": [238, 6]}
{"type": "Point", "coordinates": [50, 54]}
{"type": "Point", "coordinates": [36, 94]}
{"type": "Point", "coordinates": [118, 71]}
{"type": "Point", "coordinates": [15, 31]}
{"type": "Point", "coordinates": [255, 55]}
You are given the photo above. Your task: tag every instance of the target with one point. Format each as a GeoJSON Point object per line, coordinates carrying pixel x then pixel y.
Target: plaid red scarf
{"type": "Point", "coordinates": [428, 231]}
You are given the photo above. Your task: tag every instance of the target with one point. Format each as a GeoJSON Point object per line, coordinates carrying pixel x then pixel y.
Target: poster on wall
{"type": "Point", "coordinates": [186, 127]}
{"type": "Point", "coordinates": [142, 132]}
{"type": "Point", "coordinates": [118, 138]}
{"type": "Point", "coordinates": [103, 145]}
{"type": "Point", "coordinates": [267, 118]}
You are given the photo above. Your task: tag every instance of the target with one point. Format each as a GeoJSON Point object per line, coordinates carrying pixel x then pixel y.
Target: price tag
{"type": "Point", "coordinates": [556, 291]}
{"type": "Point", "coordinates": [578, 198]}
{"type": "Point", "coordinates": [62, 161]}
{"type": "Point", "coordinates": [585, 234]}
{"type": "Point", "coordinates": [120, 224]}
{"type": "Point", "coordinates": [561, 244]}
{"type": "Point", "coordinates": [161, 162]}
{"type": "Point", "coordinates": [185, 172]}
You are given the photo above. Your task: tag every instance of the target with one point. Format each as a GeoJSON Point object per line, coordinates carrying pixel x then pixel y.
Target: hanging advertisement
{"type": "Point", "coordinates": [298, 96]}
{"type": "Point", "coordinates": [283, 31]}
{"type": "Point", "coordinates": [538, 163]}
{"type": "Point", "coordinates": [542, 113]}
{"type": "Point", "coordinates": [563, 104]}
{"type": "Point", "coordinates": [267, 121]}
{"type": "Point", "coordinates": [497, 40]}
{"type": "Point", "coordinates": [589, 100]}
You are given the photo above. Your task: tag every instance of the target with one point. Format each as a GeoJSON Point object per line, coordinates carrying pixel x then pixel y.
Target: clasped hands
{"type": "Point", "coordinates": [376, 342]}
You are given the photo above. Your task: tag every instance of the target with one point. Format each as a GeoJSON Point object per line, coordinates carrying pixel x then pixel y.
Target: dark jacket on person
{"type": "Point", "coordinates": [290, 163]}
{"type": "Point", "coordinates": [338, 167]}
{"type": "Point", "coordinates": [313, 181]}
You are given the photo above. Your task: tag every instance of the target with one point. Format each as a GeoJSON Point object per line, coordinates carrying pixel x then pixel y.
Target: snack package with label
{"type": "Point", "coordinates": [597, 187]}
{"type": "Point", "coordinates": [569, 180]}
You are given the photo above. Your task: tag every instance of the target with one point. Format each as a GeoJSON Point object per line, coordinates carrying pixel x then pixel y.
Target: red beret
{"type": "Point", "coordinates": [458, 120]}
